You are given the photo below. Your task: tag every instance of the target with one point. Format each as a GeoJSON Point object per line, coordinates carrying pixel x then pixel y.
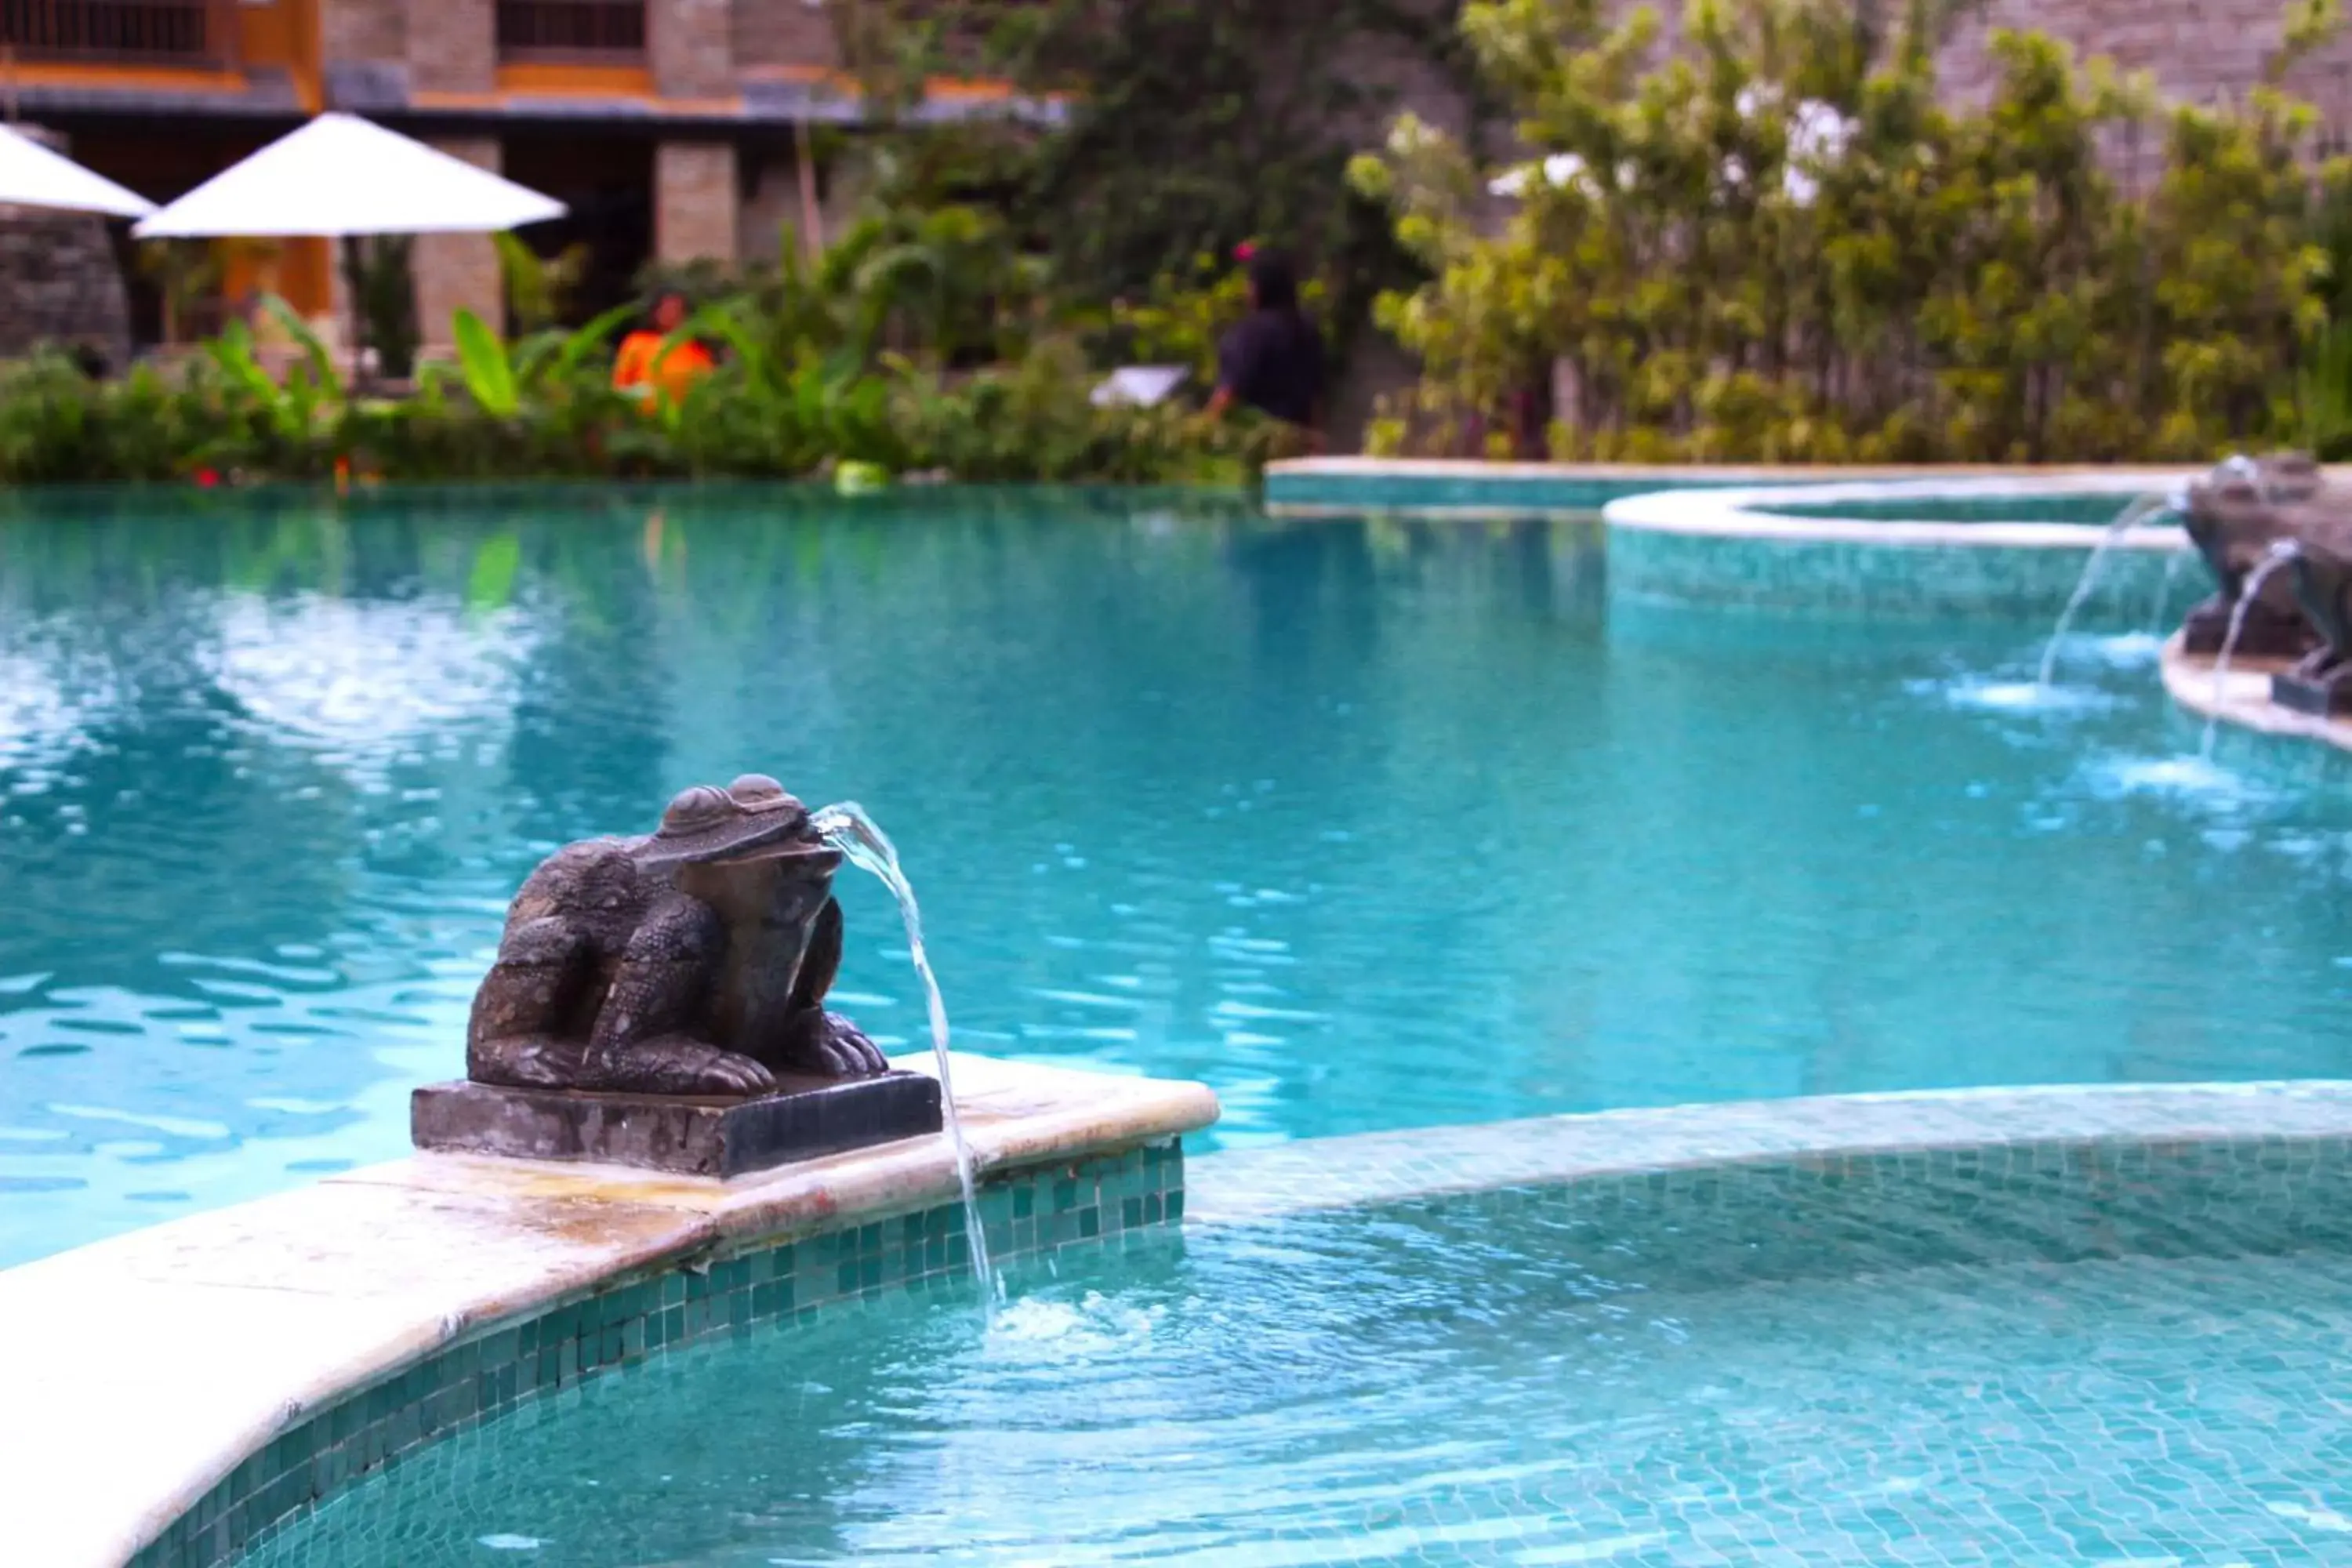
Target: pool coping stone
{"type": "Point", "coordinates": [1252, 1186]}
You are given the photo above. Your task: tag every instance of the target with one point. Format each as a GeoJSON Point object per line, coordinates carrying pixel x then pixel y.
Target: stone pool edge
{"type": "Point", "coordinates": [2244, 699]}
{"type": "Point", "coordinates": [1247, 1186]}
{"type": "Point", "coordinates": [176, 1393]}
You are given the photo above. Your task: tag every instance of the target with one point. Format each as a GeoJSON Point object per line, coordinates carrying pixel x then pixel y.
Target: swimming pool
{"type": "Point", "coordinates": [1365, 823]}
{"type": "Point", "coordinates": [1997, 1359]}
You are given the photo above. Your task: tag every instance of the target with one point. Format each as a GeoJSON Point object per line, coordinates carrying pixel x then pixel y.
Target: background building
{"type": "Point", "coordinates": [675, 130]}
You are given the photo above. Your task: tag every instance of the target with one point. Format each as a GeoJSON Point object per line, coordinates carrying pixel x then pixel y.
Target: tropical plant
{"type": "Point", "coordinates": [185, 271]}
{"type": "Point", "coordinates": [540, 288]}
{"type": "Point", "coordinates": [376, 271]}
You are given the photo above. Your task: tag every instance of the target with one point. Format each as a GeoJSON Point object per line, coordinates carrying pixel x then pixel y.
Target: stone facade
{"type": "Point", "coordinates": [2198, 50]}
{"type": "Point", "coordinates": [458, 272]}
{"type": "Point", "coordinates": [453, 46]}
{"type": "Point", "coordinates": [60, 282]}
{"type": "Point", "coordinates": [691, 48]}
{"type": "Point", "coordinates": [695, 201]}
{"type": "Point", "coordinates": [364, 38]}
{"type": "Point", "coordinates": [61, 285]}
{"type": "Point", "coordinates": [773, 33]}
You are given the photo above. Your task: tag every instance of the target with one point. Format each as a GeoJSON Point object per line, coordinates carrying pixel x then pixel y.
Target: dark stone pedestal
{"type": "Point", "coordinates": [2324, 695]}
{"type": "Point", "coordinates": [702, 1137]}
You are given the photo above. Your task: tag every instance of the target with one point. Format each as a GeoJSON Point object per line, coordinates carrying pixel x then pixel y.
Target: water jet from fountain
{"type": "Point", "coordinates": [2138, 510]}
{"type": "Point", "coordinates": [847, 827]}
{"type": "Point", "coordinates": [2282, 552]}
{"type": "Point", "coordinates": [2155, 614]}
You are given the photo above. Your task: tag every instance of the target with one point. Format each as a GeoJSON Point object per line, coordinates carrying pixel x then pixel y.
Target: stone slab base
{"type": "Point", "coordinates": [693, 1136]}
{"type": "Point", "coordinates": [2323, 698]}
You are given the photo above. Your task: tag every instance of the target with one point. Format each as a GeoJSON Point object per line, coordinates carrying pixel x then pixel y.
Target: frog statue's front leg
{"type": "Point", "coordinates": [814, 1040]}
{"type": "Point", "coordinates": [642, 1041]}
{"type": "Point", "coordinates": [514, 1037]}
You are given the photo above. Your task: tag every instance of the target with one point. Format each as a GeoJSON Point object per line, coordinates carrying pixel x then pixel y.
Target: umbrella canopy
{"type": "Point", "coordinates": [33, 176]}
{"type": "Point", "coordinates": [341, 176]}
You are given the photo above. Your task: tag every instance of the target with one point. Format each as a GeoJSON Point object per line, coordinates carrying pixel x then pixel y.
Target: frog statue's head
{"type": "Point", "coordinates": [751, 820]}
{"type": "Point", "coordinates": [748, 851]}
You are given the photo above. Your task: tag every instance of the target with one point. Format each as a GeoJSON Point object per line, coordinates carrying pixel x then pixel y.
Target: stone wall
{"type": "Point", "coordinates": [363, 51]}
{"type": "Point", "coordinates": [695, 207]}
{"type": "Point", "coordinates": [59, 283]}
{"type": "Point", "coordinates": [690, 46]}
{"type": "Point", "coordinates": [2198, 50]}
{"type": "Point", "coordinates": [452, 45]}
{"type": "Point", "coordinates": [785, 33]}
{"type": "Point", "coordinates": [458, 272]}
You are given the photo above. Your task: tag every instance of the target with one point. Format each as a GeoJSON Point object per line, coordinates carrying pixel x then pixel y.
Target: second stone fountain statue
{"type": "Point", "coordinates": [659, 1001]}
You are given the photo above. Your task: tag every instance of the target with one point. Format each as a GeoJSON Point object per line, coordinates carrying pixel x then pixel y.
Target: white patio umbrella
{"type": "Point", "coordinates": [33, 176]}
{"type": "Point", "coordinates": [340, 176]}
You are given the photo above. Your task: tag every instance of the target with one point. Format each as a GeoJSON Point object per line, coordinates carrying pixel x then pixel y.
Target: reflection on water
{"type": "Point", "coordinates": [1365, 823]}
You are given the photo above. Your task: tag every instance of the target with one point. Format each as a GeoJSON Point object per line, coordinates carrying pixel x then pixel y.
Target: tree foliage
{"type": "Point", "coordinates": [1185, 130]}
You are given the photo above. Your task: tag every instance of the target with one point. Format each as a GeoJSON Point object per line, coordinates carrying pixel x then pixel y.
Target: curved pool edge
{"type": "Point", "coordinates": [1731, 546]}
{"type": "Point", "coordinates": [2243, 699]}
{"type": "Point", "coordinates": [1241, 1187]}
{"type": "Point", "coordinates": [176, 1393]}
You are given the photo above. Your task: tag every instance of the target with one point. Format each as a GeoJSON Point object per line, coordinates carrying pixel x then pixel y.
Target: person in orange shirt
{"type": "Point", "coordinates": [642, 366]}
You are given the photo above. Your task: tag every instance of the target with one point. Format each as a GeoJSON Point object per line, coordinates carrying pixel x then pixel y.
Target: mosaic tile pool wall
{"type": "Point", "coordinates": [1926, 580]}
{"type": "Point", "coordinates": [1407, 489]}
{"type": "Point", "coordinates": [2050, 1201]}
{"type": "Point", "coordinates": [1113, 1199]}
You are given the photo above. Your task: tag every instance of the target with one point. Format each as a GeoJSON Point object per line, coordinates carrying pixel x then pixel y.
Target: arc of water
{"type": "Point", "coordinates": [2163, 590]}
{"type": "Point", "coordinates": [2281, 551]}
{"type": "Point", "coordinates": [847, 827]}
{"type": "Point", "coordinates": [2139, 508]}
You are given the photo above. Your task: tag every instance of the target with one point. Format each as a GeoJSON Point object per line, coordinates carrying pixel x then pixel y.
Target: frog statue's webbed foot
{"type": "Point", "coordinates": [826, 1044]}
{"type": "Point", "coordinates": [814, 1040]}
{"type": "Point", "coordinates": [674, 1063]}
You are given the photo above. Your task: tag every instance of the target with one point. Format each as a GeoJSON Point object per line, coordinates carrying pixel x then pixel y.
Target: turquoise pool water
{"type": "Point", "coordinates": [1496, 1379]}
{"type": "Point", "coordinates": [1367, 825]}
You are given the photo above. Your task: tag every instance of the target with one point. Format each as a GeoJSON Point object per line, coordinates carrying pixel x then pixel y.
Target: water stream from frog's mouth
{"type": "Point", "coordinates": [845, 827]}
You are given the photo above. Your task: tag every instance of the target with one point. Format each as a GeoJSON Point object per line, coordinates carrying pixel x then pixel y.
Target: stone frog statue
{"type": "Point", "coordinates": [694, 961]}
{"type": "Point", "coordinates": [2234, 515]}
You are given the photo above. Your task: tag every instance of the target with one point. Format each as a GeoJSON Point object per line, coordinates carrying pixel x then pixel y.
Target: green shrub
{"type": "Point", "coordinates": [543, 407]}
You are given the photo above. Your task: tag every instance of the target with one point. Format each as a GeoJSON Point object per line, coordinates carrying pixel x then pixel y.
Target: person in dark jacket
{"type": "Point", "coordinates": [1272, 360]}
